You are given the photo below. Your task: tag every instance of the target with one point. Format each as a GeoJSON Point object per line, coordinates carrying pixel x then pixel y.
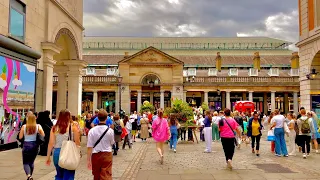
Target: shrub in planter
{"type": "Point", "coordinates": [147, 107]}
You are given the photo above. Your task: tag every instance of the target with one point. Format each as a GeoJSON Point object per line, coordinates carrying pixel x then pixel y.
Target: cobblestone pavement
{"type": "Point", "coordinates": [142, 163]}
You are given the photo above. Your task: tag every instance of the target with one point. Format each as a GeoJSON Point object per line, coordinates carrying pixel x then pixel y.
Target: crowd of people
{"type": "Point", "coordinates": [106, 130]}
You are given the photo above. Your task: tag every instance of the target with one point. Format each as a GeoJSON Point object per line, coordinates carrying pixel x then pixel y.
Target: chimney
{"type": "Point", "coordinates": [295, 60]}
{"type": "Point", "coordinates": [126, 54]}
{"type": "Point", "coordinates": [218, 62]}
{"type": "Point", "coordinates": [256, 61]}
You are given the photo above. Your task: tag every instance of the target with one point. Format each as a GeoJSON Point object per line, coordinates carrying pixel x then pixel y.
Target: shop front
{"type": "Point", "coordinates": [17, 87]}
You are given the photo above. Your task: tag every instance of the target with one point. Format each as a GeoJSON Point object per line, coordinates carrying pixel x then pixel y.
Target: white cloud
{"type": "Point", "coordinates": [282, 26]}
{"type": "Point", "coordinates": [17, 82]}
{"type": "Point", "coordinates": [180, 30]}
{"type": "Point", "coordinates": [3, 83]}
{"type": "Point", "coordinates": [30, 68]}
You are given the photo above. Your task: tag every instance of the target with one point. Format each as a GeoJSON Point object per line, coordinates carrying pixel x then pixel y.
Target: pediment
{"type": "Point", "coordinates": [151, 56]}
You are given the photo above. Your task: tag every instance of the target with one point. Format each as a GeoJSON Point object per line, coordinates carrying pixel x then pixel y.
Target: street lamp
{"type": "Point", "coordinates": [120, 90]}
{"type": "Point", "coordinates": [151, 84]}
{"type": "Point", "coordinates": [312, 75]}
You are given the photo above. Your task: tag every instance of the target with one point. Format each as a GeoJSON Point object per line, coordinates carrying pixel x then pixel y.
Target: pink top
{"type": "Point", "coordinates": [160, 130]}
{"type": "Point", "coordinates": [225, 130]}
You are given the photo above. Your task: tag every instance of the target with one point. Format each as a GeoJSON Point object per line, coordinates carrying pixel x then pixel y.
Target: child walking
{"type": "Point", "coordinates": [174, 126]}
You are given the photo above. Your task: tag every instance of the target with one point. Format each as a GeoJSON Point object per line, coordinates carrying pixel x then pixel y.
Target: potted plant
{"type": "Point", "coordinates": [147, 107]}
{"type": "Point", "coordinates": [183, 112]}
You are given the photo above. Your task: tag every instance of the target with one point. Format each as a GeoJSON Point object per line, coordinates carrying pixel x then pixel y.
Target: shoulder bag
{"type": "Point", "coordinates": [98, 141]}
{"type": "Point", "coordinates": [235, 140]}
{"type": "Point", "coordinates": [69, 154]}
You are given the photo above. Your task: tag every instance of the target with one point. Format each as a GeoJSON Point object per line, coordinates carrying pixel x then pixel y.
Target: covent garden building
{"type": "Point", "coordinates": [217, 71]}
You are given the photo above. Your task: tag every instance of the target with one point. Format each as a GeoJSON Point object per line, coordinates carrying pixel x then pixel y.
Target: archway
{"type": "Point", "coordinates": [315, 83]}
{"type": "Point", "coordinates": [150, 80]}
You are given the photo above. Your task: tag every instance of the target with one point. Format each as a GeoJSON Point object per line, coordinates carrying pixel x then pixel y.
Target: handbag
{"type": "Point", "coordinates": [235, 139]}
{"type": "Point", "coordinates": [69, 154]}
{"type": "Point", "coordinates": [40, 139]}
{"type": "Point", "coordinates": [271, 136]}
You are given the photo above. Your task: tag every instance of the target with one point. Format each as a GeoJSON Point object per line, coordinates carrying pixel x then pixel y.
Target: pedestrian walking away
{"type": "Point", "coordinates": [208, 132]}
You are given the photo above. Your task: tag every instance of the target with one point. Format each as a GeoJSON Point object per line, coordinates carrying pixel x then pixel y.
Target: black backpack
{"type": "Point", "coordinates": [117, 129]}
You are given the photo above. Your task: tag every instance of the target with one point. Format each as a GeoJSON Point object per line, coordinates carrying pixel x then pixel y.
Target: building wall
{"type": "Point", "coordinates": [44, 19]}
{"type": "Point", "coordinates": [309, 49]}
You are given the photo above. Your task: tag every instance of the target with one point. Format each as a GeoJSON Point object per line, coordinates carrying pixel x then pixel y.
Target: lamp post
{"type": "Point", "coordinates": [120, 89]}
{"type": "Point", "coordinates": [219, 95]}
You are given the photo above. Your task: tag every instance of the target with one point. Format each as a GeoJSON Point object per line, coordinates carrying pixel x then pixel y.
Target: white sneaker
{"type": "Point", "coordinates": [317, 151]}
{"type": "Point", "coordinates": [304, 156]}
{"type": "Point", "coordinates": [308, 154]}
{"type": "Point", "coordinates": [174, 150]}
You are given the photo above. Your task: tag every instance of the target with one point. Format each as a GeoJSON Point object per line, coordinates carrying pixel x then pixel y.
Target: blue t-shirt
{"type": "Point", "coordinates": [207, 122]}
{"type": "Point", "coordinates": [108, 122]}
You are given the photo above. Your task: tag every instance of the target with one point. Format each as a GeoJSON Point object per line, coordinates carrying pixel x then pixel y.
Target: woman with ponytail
{"type": "Point", "coordinates": [160, 133]}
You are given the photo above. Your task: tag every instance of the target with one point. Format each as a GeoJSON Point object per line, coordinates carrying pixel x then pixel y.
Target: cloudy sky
{"type": "Point", "coordinates": [209, 18]}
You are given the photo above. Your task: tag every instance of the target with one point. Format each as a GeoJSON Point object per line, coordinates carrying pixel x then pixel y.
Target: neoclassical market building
{"type": "Point", "coordinates": [218, 71]}
{"type": "Point", "coordinates": [309, 50]}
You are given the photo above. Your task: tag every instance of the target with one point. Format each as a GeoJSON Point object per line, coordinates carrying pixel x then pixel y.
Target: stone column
{"type": "Point", "coordinates": [285, 103]}
{"type": "Point", "coordinates": [251, 96]}
{"type": "Point", "coordinates": [151, 98]}
{"type": "Point", "coordinates": [295, 102]}
{"type": "Point", "coordinates": [75, 85]}
{"type": "Point", "coordinates": [62, 92]}
{"type": "Point", "coordinates": [265, 103]}
{"type": "Point", "coordinates": [228, 103]}
{"type": "Point", "coordinates": [223, 100]}
{"type": "Point", "coordinates": [139, 103]}
{"type": "Point", "coordinates": [95, 100]}
{"type": "Point", "coordinates": [185, 96]}
{"type": "Point", "coordinates": [244, 96]}
{"type": "Point", "coordinates": [206, 100]}
{"type": "Point", "coordinates": [162, 99]}
{"type": "Point", "coordinates": [273, 101]}
{"type": "Point", "coordinates": [49, 50]}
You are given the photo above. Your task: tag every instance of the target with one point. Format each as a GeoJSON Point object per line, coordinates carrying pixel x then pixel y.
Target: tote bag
{"type": "Point", "coordinates": [271, 136]}
{"type": "Point", "coordinates": [70, 154]}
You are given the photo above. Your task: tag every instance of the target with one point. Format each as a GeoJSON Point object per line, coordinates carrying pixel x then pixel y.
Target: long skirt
{"type": "Point", "coordinates": [208, 138]}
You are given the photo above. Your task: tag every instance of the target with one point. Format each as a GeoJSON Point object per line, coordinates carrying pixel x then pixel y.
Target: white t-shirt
{"type": "Point", "coordinates": [216, 119]}
{"type": "Point", "coordinates": [201, 121]}
{"type": "Point", "coordinates": [54, 121]}
{"type": "Point", "coordinates": [105, 145]}
{"type": "Point", "coordinates": [279, 120]}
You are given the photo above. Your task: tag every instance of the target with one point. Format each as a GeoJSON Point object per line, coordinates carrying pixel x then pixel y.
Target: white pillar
{"type": "Point", "coordinates": [295, 102]}
{"type": "Point", "coordinates": [273, 101]}
{"type": "Point", "coordinates": [75, 85]}
{"type": "Point", "coordinates": [228, 103]}
{"type": "Point", "coordinates": [206, 100]}
{"type": "Point", "coordinates": [251, 96]}
{"type": "Point", "coordinates": [62, 92]}
{"type": "Point", "coordinates": [95, 100]}
{"type": "Point", "coordinates": [185, 96]}
{"type": "Point", "coordinates": [139, 100]}
{"type": "Point", "coordinates": [162, 99]}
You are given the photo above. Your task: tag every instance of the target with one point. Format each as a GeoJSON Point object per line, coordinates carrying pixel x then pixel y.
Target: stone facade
{"type": "Point", "coordinates": [54, 28]}
{"type": "Point", "coordinates": [309, 49]}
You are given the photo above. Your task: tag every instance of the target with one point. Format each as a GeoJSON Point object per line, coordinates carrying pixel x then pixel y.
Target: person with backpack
{"type": "Point", "coordinates": [306, 127]}
{"type": "Point", "coordinates": [118, 125]}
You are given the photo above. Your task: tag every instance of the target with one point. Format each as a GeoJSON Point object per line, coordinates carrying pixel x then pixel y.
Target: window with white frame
{"type": "Point", "coordinates": [233, 72]}
{"type": "Point", "coordinates": [90, 71]}
{"type": "Point", "coordinates": [212, 72]}
{"type": "Point", "coordinates": [185, 73]}
{"type": "Point", "coordinates": [192, 71]}
{"type": "Point", "coordinates": [294, 72]}
{"type": "Point", "coordinates": [253, 72]}
{"type": "Point", "coordinates": [111, 71]}
{"type": "Point", "coordinates": [273, 72]}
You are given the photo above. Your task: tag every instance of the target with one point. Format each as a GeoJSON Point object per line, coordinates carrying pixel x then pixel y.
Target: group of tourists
{"type": "Point", "coordinates": [105, 132]}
